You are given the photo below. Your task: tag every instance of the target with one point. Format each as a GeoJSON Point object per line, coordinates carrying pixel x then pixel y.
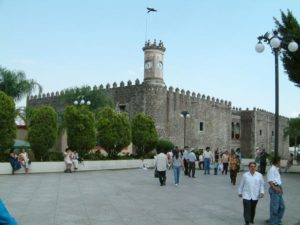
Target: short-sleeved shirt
{"type": "Point", "coordinates": [274, 175]}
{"type": "Point", "coordinates": [192, 157]}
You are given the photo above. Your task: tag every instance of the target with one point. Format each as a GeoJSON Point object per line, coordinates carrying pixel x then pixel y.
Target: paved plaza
{"type": "Point", "coordinates": [134, 197]}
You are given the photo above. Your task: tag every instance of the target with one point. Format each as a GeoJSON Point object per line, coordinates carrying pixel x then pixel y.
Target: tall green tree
{"type": "Point", "coordinates": [289, 29]}
{"type": "Point", "coordinates": [42, 131]}
{"type": "Point", "coordinates": [144, 134]}
{"type": "Point", "coordinates": [7, 121]}
{"type": "Point", "coordinates": [113, 131]}
{"type": "Point", "coordinates": [15, 84]}
{"type": "Point", "coordinates": [80, 125]}
{"type": "Point", "coordinates": [293, 130]}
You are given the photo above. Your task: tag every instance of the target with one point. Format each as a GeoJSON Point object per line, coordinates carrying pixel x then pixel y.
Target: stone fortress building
{"type": "Point", "coordinates": [212, 122]}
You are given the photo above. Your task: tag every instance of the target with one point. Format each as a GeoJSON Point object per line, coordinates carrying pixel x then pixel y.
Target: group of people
{"type": "Point", "coordinates": [251, 187]}
{"type": "Point", "coordinates": [71, 158]}
{"type": "Point", "coordinates": [186, 160]}
{"type": "Point", "coordinates": [18, 160]}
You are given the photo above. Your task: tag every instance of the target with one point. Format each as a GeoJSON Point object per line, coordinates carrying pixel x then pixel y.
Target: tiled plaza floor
{"type": "Point", "coordinates": [134, 197]}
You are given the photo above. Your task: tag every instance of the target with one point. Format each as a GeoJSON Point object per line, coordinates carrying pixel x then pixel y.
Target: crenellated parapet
{"type": "Point", "coordinates": [108, 86]}
{"type": "Point", "coordinates": [154, 45]}
{"type": "Point", "coordinates": [193, 97]}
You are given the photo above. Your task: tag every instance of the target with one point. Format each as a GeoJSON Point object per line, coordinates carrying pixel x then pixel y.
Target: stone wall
{"type": "Point", "coordinates": [165, 106]}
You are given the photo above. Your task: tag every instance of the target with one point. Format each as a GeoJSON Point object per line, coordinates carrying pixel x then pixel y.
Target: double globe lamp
{"type": "Point", "coordinates": [276, 43]}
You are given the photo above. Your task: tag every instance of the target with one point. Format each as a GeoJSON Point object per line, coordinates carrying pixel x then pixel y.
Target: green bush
{"type": "Point", "coordinates": [4, 156]}
{"type": "Point", "coordinates": [164, 146]}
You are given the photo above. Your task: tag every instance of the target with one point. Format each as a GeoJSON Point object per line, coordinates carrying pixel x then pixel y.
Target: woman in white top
{"type": "Point", "coordinates": [24, 160]}
{"type": "Point", "coordinates": [68, 161]}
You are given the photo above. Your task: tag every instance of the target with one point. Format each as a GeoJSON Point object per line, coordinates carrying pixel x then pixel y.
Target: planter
{"type": "Point", "coordinates": [52, 167]}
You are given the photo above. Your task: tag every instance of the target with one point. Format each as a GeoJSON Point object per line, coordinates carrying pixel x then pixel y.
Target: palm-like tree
{"type": "Point", "coordinates": [289, 28]}
{"type": "Point", "coordinates": [15, 84]}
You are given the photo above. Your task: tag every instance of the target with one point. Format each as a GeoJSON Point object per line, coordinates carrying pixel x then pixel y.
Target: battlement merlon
{"type": "Point", "coordinates": [159, 46]}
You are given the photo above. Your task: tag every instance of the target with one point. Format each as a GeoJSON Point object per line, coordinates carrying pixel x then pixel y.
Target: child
{"type": "Point", "coordinates": [216, 166]}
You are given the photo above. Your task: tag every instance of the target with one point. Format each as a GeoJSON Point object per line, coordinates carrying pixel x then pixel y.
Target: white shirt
{"type": "Point", "coordinates": [201, 158]}
{"type": "Point", "coordinates": [161, 162]}
{"type": "Point", "coordinates": [274, 175]}
{"type": "Point", "coordinates": [208, 155]}
{"type": "Point", "coordinates": [251, 186]}
{"type": "Point", "coordinates": [192, 157]}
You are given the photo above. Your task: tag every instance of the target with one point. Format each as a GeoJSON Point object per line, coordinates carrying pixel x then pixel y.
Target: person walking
{"type": "Point", "coordinates": [289, 162]}
{"type": "Point", "coordinates": [225, 161]}
{"type": "Point", "coordinates": [208, 158]}
{"type": "Point", "coordinates": [233, 167]}
{"type": "Point", "coordinates": [201, 161]}
{"type": "Point", "coordinates": [192, 163]}
{"type": "Point", "coordinates": [186, 160]}
{"type": "Point", "coordinates": [251, 189]}
{"type": "Point", "coordinates": [263, 161]}
{"type": "Point", "coordinates": [277, 205]}
{"type": "Point", "coordinates": [161, 163]}
{"type": "Point", "coordinates": [177, 164]}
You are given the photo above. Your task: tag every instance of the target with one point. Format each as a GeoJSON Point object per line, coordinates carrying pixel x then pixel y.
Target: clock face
{"type": "Point", "coordinates": [148, 65]}
{"type": "Point", "coordinates": [160, 65]}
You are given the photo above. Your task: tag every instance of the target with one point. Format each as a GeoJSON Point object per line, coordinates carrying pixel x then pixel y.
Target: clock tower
{"type": "Point", "coordinates": [154, 63]}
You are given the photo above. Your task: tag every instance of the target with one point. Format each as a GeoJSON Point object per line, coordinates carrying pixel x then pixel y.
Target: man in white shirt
{"type": "Point", "coordinates": [186, 160]}
{"type": "Point", "coordinates": [161, 162]}
{"type": "Point", "coordinates": [192, 161]}
{"type": "Point", "coordinates": [251, 189]}
{"type": "Point", "coordinates": [277, 205]}
{"type": "Point", "coordinates": [208, 159]}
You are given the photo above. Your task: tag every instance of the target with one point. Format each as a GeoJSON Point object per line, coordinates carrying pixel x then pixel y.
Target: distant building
{"type": "Point", "coordinates": [213, 122]}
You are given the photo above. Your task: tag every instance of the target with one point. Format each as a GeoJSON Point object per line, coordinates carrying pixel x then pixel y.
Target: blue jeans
{"type": "Point", "coordinates": [5, 217]}
{"type": "Point", "coordinates": [206, 165]}
{"type": "Point", "coordinates": [176, 170]}
{"type": "Point", "coordinates": [277, 207]}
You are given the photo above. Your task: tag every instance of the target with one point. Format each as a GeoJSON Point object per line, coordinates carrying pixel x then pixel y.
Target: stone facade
{"type": "Point", "coordinates": [213, 122]}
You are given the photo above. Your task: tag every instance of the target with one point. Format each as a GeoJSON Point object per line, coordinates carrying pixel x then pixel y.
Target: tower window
{"type": "Point", "coordinates": [260, 132]}
{"type": "Point", "coordinates": [122, 107]}
{"type": "Point", "coordinates": [201, 126]}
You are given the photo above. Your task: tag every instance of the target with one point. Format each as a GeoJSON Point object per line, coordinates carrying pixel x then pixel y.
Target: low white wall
{"type": "Point", "coordinates": [295, 168]}
{"type": "Point", "coordinates": [50, 167]}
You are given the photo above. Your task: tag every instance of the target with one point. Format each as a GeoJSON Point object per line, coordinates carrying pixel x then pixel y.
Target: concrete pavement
{"type": "Point", "coordinates": [134, 197]}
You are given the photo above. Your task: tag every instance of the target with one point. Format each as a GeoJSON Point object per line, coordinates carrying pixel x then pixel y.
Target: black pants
{"type": "Point", "coordinates": [233, 174]}
{"type": "Point", "coordinates": [192, 169]}
{"type": "Point", "coordinates": [249, 210]}
{"type": "Point", "coordinates": [162, 177]}
{"type": "Point", "coordinates": [225, 168]}
{"type": "Point", "coordinates": [263, 168]}
{"type": "Point", "coordinates": [186, 167]}
{"type": "Point", "coordinates": [200, 165]}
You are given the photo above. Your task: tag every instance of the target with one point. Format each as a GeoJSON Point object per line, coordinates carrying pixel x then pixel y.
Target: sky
{"type": "Point", "coordinates": [209, 46]}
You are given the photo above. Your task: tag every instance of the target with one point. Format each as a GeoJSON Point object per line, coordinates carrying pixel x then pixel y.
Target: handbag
{"type": "Point", "coordinates": [155, 173]}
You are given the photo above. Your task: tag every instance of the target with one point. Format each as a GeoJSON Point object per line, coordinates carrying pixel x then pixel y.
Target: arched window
{"type": "Point", "coordinates": [232, 130]}
{"type": "Point", "coordinates": [237, 131]}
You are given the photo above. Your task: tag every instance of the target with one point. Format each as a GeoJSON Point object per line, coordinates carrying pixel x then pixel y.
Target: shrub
{"type": "Point", "coordinates": [164, 146]}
